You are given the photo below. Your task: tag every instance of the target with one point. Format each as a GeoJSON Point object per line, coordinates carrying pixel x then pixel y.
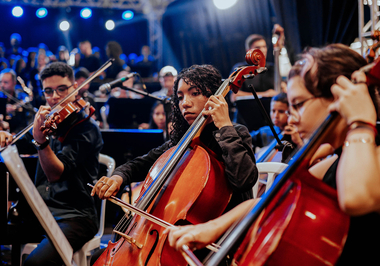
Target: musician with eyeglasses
{"type": "Point", "coordinates": [67, 161]}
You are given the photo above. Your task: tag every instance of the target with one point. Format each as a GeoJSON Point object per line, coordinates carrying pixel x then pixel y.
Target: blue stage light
{"type": "Point", "coordinates": [86, 13]}
{"type": "Point", "coordinates": [17, 11]}
{"type": "Point", "coordinates": [128, 15]}
{"type": "Point", "coordinates": [41, 12]}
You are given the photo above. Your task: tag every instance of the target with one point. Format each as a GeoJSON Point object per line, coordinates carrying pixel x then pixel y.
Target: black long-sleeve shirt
{"type": "Point", "coordinates": [70, 197]}
{"type": "Point", "coordinates": [231, 143]}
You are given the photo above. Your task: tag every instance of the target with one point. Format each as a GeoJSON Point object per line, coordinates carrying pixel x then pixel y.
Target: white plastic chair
{"type": "Point", "coordinates": [272, 169]}
{"type": "Point", "coordinates": [80, 257]}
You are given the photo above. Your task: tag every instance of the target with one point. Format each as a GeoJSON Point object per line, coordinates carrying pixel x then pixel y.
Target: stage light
{"type": "Point", "coordinates": [86, 13]}
{"type": "Point", "coordinates": [110, 25]}
{"type": "Point", "coordinates": [17, 11]}
{"type": "Point", "coordinates": [64, 25]}
{"type": "Point", "coordinates": [224, 4]}
{"type": "Point", "coordinates": [41, 12]}
{"type": "Point", "coordinates": [128, 15]}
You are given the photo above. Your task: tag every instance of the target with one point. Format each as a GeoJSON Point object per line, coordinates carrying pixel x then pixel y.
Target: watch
{"type": "Point", "coordinates": [43, 145]}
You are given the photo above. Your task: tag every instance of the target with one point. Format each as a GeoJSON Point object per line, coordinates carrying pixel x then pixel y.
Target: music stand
{"type": "Point", "coordinates": [249, 113]}
{"type": "Point", "coordinates": [126, 144]}
{"type": "Point", "coordinates": [127, 113]}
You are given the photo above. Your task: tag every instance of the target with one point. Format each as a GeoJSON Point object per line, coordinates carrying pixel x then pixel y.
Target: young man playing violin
{"type": "Point", "coordinates": [66, 163]}
{"type": "Point", "coordinates": [193, 95]}
{"type": "Point", "coordinates": [319, 83]}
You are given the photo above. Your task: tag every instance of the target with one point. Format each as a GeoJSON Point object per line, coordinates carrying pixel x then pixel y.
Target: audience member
{"type": "Point", "coordinates": [167, 76]}
{"type": "Point", "coordinates": [144, 63]}
{"type": "Point", "coordinates": [157, 119]}
{"type": "Point", "coordinates": [17, 116]}
{"type": "Point", "coordinates": [15, 41]}
{"type": "Point", "coordinates": [87, 59]}
{"type": "Point", "coordinates": [63, 54]}
{"type": "Point", "coordinates": [114, 50]}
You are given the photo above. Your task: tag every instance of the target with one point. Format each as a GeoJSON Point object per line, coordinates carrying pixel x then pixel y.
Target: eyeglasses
{"type": "Point", "coordinates": [295, 108]}
{"type": "Point", "coordinates": [60, 90]}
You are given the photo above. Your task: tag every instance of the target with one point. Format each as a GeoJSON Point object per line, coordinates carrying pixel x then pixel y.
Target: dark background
{"type": "Point", "coordinates": [194, 31]}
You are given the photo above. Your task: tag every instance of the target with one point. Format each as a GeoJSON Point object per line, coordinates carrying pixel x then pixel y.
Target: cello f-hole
{"type": "Point", "coordinates": [153, 247]}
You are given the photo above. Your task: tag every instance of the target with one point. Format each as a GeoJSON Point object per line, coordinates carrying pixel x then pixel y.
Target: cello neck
{"type": "Point", "coordinates": [163, 175]}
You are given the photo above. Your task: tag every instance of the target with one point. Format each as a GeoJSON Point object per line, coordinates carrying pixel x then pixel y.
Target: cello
{"type": "Point", "coordinates": [290, 227]}
{"type": "Point", "coordinates": [179, 187]}
{"type": "Point", "coordinates": [287, 226]}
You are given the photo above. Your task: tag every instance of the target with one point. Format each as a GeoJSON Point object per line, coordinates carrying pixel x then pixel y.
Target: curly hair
{"type": "Point", "coordinates": [320, 67]}
{"type": "Point", "coordinates": [207, 79]}
{"type": "Point", "coordinates": [57, 69]}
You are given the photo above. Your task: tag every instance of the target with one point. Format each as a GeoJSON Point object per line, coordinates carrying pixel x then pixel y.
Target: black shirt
{"type": "Point", "coordinates": [79, 152]}
{"type": "Point", "coordinates": [231, 143]}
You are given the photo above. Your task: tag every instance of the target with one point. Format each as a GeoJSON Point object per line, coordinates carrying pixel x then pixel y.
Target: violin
{"type": "Point", "coordinates": [72, 106]}
{"type": "Point", "coordinates": [50, 126]}
{"type": "Point", "coordinates": [183, 183]}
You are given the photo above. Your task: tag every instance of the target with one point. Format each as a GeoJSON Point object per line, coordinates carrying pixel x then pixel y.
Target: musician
{"type": "Point", "coordinates": [66, 164]}
{"type": "Point", "coordinates": [193, 91]}
{"type": "Point", "coordinates": [16, 115]}
{"type": "Point", "coordinates": [319, 83]}
{"type": "Point", "coordinates": [264, 83]}
{"type": "Point", "coordinates": [279, 108]}
{"type": "Point", "coordinates": [5, 138]}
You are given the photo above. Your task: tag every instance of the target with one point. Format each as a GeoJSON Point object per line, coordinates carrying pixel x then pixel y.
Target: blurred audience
{"type": "Point", "coordinates": [88, 59]}
{"type": "Point", "coordinates": [114, 50]}
{"type": "Point", "coordinates": [167, 76]}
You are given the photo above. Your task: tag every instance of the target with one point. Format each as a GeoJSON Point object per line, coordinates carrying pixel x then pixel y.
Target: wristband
{"type": "Point", "coordinates": [359, 140]}
{"type": "Point", "coordinates": [362, 124]}
{"type": "Point", "coordinates": [43, 145]}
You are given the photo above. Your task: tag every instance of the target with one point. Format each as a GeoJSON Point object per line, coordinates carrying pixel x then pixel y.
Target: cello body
{"type": "Point", "coordinates": [194, 193]}
{"type": "Point", "coordinates": [298, 221]}
{"type": "Point", "coordinates": [292, 229]}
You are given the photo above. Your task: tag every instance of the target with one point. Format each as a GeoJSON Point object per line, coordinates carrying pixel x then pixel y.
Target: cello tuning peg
{"type": "Point", "coordinates": [249, 76]}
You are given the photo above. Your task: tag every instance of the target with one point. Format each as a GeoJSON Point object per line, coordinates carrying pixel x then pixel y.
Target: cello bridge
{"type": "Point", "coordinates": [129, 239]}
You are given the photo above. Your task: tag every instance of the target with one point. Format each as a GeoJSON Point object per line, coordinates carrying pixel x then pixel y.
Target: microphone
{"type": "Point", "coordinates": [106, 87]}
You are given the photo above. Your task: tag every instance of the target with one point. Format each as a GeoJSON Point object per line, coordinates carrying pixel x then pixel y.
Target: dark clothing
{"type": "Point", "coordinates": [77, 231]}
{"type": "Point", "coordinates": [232, 144]}
{"type": "Point", "coordinates": [79, 152]}
{"type": "Point", "coordinates": [91, 63]}
{"type": "Point", "coordinates": [361, 246]}
{"type": "Point", "coordinates": [114, 70]}
{"type": "Point", "coordinates": [69, 198]}
{"type": "Point", "coordinates": [263, 136]}
{"type": "Point", "coordinates": [260, 83]}
{"type": "Point", "coordinates": [23, 114]}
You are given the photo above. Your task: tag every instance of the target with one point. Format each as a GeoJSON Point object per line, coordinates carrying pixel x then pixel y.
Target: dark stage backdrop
{"type": "Point", "coordinates": [194, 31]}
{"type": "Point", "coordinates": [198, 33]}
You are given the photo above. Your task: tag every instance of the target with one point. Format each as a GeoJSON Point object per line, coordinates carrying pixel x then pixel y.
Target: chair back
{"type": "Point", "coordinates": [110, 164]}
{"type": "Point", "coordinates": [272, 169]}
